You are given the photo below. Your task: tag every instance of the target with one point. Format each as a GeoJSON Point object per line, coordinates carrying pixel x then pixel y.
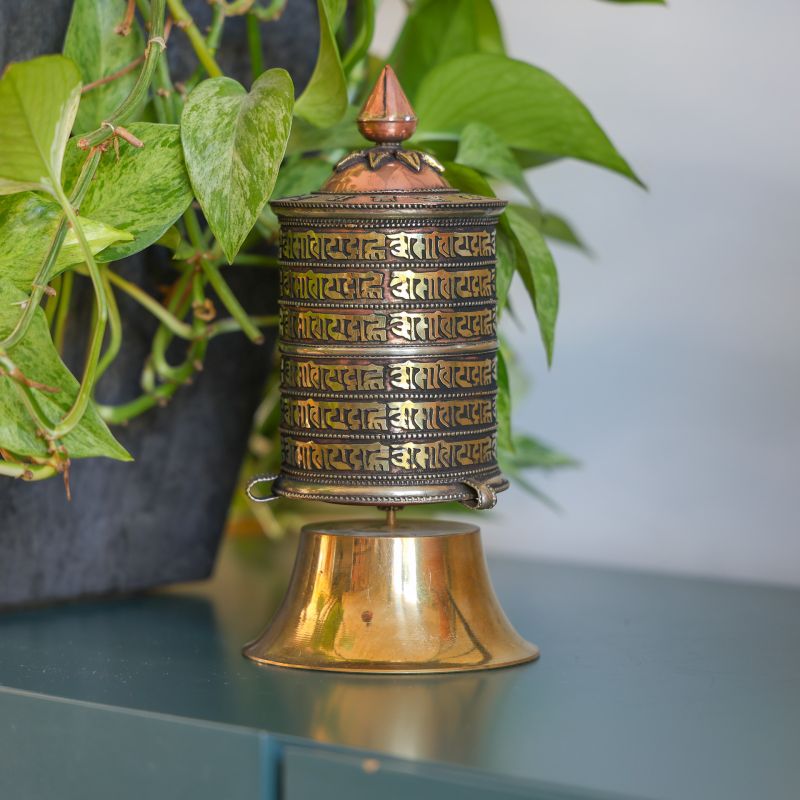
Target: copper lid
{"type": "Point", "coordinates": [387, 177]}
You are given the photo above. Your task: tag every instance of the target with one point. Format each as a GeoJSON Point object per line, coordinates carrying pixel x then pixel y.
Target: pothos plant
{"type": "Point", "coordinates": [103, 154]}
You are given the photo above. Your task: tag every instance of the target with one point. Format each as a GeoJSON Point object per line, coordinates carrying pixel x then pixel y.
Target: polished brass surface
{"type": "Point", "coordinates": [323, 374]}
{"type": "Point", "coordinates": [420, 244]}
{"type": "Point", "coordinates": [388, 343]}
{"type": "Point", "coordinates": [413, 597]}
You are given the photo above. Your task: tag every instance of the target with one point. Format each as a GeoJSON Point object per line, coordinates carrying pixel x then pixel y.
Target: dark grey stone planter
{"type": "Point", "coordinates": [158, 520]}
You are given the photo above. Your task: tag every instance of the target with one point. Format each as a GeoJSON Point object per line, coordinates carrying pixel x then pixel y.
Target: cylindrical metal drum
{"type": "Point", "coordinates": [389, 397]}
{"type": "Point", "coordinates": [388, 329]}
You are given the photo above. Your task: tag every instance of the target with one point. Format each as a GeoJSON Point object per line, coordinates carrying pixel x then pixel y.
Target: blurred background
{"type": "Point", "coordinates": [676, 378]}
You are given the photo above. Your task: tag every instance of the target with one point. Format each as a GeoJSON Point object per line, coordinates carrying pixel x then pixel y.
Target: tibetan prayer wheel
{"type": "Point", "coordinates": [388, 350]}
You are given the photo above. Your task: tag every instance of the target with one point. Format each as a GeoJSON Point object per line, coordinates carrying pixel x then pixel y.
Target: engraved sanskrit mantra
{"type": "Point", "coordinates": [400, 415]}
{"type": "Point", "coordinates": [310, 245]}
{"type": "Point", "coordinates": [401, 457]}
{"type": "Point", "coordinates": [400, 285]}
{"type": "Point", "coordinates": [478, 373]}
{"type": "Point", "coordinates": [410, 326]}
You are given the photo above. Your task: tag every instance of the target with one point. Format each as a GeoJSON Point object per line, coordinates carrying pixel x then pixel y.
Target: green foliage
{"type": "Point", "coordinates": [482, 149]}
{"type": "Point", "coordinates": [561, 230]}
{"type": "Point", "coordinates": [38, 103]}
{"type": "Point", "coordinates": [38, 360]}
{"type": "Point", "coordinates": [538, 272]}
{"type": "Point", "coordinates": [504, 439]}
{"type": "Point", "coordinates": [142, 191]}
{"type": "Point", "coordinates": [324, 100]}
{"type": "Point", "coordinates": [234, 142]}
{"type": "Point", "coordinates": [492, 120]}
{"type": "Point", "coordinates": [525, 106]}
{"type": "Point", "coordinates": [99, 51]}
{"type": "Point", "coordinates": [436, 31]}
{"type": "Point", "coordinates": [28, 223]}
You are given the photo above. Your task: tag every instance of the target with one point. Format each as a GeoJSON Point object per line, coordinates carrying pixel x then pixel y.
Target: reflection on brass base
{"type": "Point", "coordinates": [414, 597]}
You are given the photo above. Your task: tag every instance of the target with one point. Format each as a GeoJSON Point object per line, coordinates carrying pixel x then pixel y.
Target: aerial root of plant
{"type": "Point", "coordinates": [117, 132]}
{"type": "Point", "coordinates": [17, 375]}
{"type": "Point", "coordinates": [204, 310]}
{"type": "Point", "coordinates": [114, 75]}
{"type": "Point", "coordinates": [124, 27]}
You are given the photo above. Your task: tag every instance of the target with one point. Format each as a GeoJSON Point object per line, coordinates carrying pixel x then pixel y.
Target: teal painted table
{"type": "Point", "coordinates": [648, 687]}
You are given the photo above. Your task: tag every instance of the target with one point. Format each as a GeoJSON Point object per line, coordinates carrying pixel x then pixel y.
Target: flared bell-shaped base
{"type": "Point", "coordinates": [413, 597]}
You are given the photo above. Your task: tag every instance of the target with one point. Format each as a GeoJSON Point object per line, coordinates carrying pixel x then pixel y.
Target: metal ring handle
{"type": "Point", "coordinates": [485, 497]}
{"type": "Point", "coordinates": [267, 478]}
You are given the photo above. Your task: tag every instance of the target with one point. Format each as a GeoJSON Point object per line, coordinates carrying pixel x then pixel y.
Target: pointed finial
{"type": "Point", "coordinates": [387, 116]}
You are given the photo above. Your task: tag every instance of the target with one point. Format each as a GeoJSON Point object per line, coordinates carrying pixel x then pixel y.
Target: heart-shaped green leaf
{"type": "Point", "coordinates": [143, 192]}
{"type": "Point", "coordinates": [538, 273]}
{"type": "Point", "coordinates": [28, 222]}
{"type": "Point", "coordinates": [99, 51]}
{"type": "Point", "coordinates": [526, 107]}
{"type": "Point", "coordinates": [233, 142]}
{"type": "Point", "coordinates": [324, 100]}
{"type": "Point", "coordinates": [436, 31]}
{"type": "Point", "coordinates": [38, 102]}
{"type": "Point", "coordinates": [37, 358]}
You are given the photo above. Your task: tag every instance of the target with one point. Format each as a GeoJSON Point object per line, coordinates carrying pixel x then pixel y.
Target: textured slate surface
{"type": "Point", "coordinates": [647, 686]}
{"type": "Point", "coordinates": [157, 520]}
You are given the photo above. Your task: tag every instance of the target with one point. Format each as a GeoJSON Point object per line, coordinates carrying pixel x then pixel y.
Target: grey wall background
{"type": "Point", "coordinates": [676, 377]}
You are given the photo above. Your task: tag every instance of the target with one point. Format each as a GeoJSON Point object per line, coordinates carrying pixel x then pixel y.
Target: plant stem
{"type": "Point", "coordinates": [177, 326]}
{"type": "Point", "coordinates": [84, 396]}
{"type": "Point", "coordinates": [254, 45]}
{"type": "Point", "coordinates": [272, 12]}
{"type": "Point", "coordinates": [26, 395]}
{"type": "Point", "coordinates": [41, 279]}
{"type": "Point", "coordinates": [140, 88]}
{"type": "Point", "coordinates": [231, 325]}
{"type": "Point", "coordinates": [215, 31]}
{"type": "Point", "coordinates": [366, 30]}
{"type": "Point", "coordinates": [230, 302]}
{"type": "Point", "coordinates": [184, 20]}
{"type": "Point", "coordinates": [28, 472]}
{"type": "Point", "coordinates": [51, 304]}
{"type": "Point", "coordinates": [114, 327]}
{"type": "Point", "coordinates": [62, 314]}
{"type": "Point", "coordinates": [179, 306]}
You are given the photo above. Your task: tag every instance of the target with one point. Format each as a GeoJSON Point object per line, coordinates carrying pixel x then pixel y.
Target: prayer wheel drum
{"type": "Point", "coordinates": [388, 329]}
{"type": "Point", "coordinates": [388, 351]}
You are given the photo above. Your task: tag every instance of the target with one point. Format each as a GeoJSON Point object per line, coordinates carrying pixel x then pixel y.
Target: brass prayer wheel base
{"type": "Point", "coordinates": [413, 597]}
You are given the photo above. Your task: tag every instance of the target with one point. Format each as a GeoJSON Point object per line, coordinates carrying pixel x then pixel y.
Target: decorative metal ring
{"type": "Point", "coordinates": [485, 497]}
{"type": "Point", "coordinates": [387, 266]}
{"type": "Point", "coordinates": [267, 478]}
{"type": "Point", "coordinates": [485, 472]}
{"type": "Point", "coordinates": [389, 395]}
{"type": "Point", "coordinates": [389, 306]}
{"type": "Point", "coordinates": [370, 223]}
{"type": "Point", "coordinates": [393, 436]}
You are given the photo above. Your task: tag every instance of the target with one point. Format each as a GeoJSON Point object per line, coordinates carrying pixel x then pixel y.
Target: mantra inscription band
{"type": "Point", "coordinates": [388, 347]}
